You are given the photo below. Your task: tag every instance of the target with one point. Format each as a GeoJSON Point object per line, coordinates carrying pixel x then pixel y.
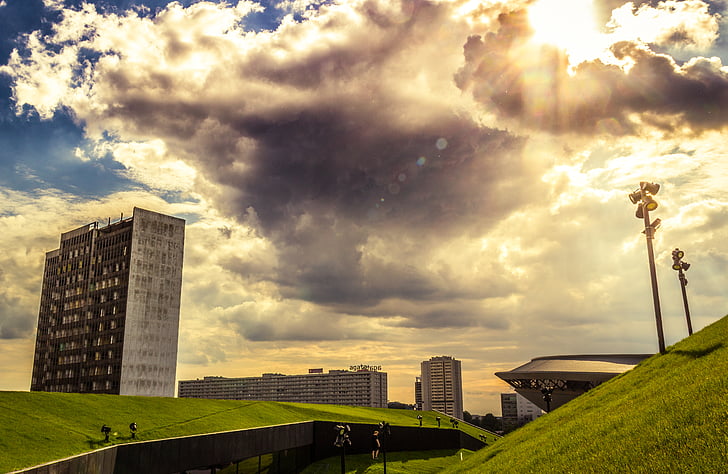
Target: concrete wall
{"type": "Point", "coordinates": [402, 438]}
{"type": "Point", "coordinates": [219, 449]}
{"type": "Point", "coordinates": [101, 461]}
{"type": "Point", "coordinates": [301, 443]}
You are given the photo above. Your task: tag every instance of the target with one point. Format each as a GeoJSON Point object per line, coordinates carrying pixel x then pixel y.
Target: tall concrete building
{"type": "Point", "coordinates": [418, 393]}
{"type": "Point", "coordinates": [361, 388]}
{"type": "Point", "coordinates": [109, 308]}
{"type": "Point", "coordinates": [442, 386]}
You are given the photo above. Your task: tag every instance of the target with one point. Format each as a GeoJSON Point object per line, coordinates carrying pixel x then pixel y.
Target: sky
{"type": "Point", "coordinates": [375, 181]}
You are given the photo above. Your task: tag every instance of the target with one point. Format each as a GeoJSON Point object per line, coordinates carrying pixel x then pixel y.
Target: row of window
{"type": "Point", "coordinates": [74, 388]}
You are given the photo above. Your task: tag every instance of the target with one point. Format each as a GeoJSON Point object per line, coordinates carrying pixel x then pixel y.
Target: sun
{"type": "Point", "coordinates": [570, 25]}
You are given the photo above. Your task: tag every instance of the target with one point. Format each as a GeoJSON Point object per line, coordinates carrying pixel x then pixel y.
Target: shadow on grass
{"type": "Point", "coordinates": [696, 354]}
{"type": "Point", "coordinates": [100, 443]}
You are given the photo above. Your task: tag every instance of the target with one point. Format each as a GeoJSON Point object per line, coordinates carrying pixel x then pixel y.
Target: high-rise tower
{"type": "Point", "coordinates": [442, 386]}
{"type": "Point", "coordinates": [109, 309]}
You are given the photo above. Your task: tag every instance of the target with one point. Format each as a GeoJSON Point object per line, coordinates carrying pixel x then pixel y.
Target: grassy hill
{"type": "Point", "coordinates": [669, 414]}
{"type": "Point", "coordinates": [39, 427]}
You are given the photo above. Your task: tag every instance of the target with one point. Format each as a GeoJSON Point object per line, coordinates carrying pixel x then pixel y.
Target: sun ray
{"type": "Point", "coordinates": [569, 25]}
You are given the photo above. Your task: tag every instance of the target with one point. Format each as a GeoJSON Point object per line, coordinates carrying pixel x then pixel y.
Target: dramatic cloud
{"type": "Point", "coordinates": [616, 93]}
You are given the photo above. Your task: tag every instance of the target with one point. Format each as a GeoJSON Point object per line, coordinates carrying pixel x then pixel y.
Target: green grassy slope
{"type": "Point", "coordinates": [669, 414]}
{"type": "Point", "coordinates": [421, 462]}
{"type": "Point", "coordinates": [38, 427]}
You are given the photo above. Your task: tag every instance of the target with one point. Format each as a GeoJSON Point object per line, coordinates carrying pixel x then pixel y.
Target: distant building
{"type": "Point", "coordinates": [442, 386]}
{"type": "Point", "coordinates": [516, 410]}
{"type": "Point", "coordinates": [361, 388]}
{"type": "Point", "coordinates": [418, 393]}
{"type": "Point", "coordinates": [566, 376]}
{"type": "Point", "coordinates": [109, 308]}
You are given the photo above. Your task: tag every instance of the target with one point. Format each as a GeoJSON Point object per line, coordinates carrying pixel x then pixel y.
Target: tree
{"type": "Point", "coordinates": [490, 422]}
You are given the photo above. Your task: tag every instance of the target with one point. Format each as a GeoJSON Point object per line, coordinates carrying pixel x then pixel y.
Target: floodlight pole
{"type": "Point", "coordinates": [650, 234]}
{"type": "Point", "coordinates": [683, 283]}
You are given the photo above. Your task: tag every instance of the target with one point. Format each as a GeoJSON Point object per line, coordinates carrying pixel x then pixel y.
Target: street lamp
{"type": "Point", "coordinates": [342, 441]}
{"type": "Point", "coordinates": [643, 197]}
{"type": "Point", "coordinates": [106, 430]}
{"type": "Point", "coordinates": [547, 397]}
{"type": "Point", "coordinates": [386, 432]}
{"type": "Point", "coordinates": [679, 266]}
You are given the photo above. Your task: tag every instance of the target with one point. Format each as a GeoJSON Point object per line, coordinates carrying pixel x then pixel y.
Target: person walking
{"type": "Point", "coordinates": [375, 444]}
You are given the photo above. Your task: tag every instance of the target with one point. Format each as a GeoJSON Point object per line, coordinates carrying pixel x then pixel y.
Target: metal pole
{"type": "Point", "coordinates": [683, 283]}
{"type": "Point", "coordinates": [649, 233]}
{"type": "Point", "coordinates": [343, 459]}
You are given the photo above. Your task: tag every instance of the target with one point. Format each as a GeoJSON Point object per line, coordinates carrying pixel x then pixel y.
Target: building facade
{"type": "Point", "coordinates": [516, 410]}
{"type": "Point", "coordinates": [363, 388]}
{"type": "Point", "coordinates": [418, 393]}
{"type": "Point", "coordinates": [109, 308]}
{"type": "Point", "coordinates": [442, 386]}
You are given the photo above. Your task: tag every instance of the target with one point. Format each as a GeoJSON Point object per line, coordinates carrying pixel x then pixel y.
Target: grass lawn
{"type": "Point", "coordinates": [422, 462]}
{"type": "Point", "coordinates": [669, 414]}
{"type": "Point", "coordinates": [42, 427]}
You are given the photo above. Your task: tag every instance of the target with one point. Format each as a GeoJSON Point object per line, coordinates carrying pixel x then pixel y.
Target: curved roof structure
{"type": "Point", "coordinates": [565, 377]}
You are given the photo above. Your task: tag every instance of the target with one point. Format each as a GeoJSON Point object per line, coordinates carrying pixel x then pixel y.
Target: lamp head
{"type": "Point", "coordinates": [640, 213]}
{"type": "Point", "coordinates": [636, 196]}
{"type": "Point", "coordinates": [685, 266]}
{"type": "Point", "coordinates": [652, 188]}
{"type": "Point", "coordinates": [650, 204]}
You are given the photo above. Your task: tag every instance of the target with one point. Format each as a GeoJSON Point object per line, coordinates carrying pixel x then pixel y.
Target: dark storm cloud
{"type": "Point", "coordinates": [323, 181]}
{"type": "Point", "coordinates": [455, 315]}
{"type": "Point", "coordinates": [537, 89]}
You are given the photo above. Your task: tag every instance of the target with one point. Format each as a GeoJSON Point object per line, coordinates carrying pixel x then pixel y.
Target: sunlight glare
{"type": "Point", "coordinates": [569, 25]}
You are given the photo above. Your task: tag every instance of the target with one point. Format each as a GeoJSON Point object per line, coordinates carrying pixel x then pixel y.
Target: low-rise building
{"type": "Point", "coordinates": [516, 410]}
{"type": "Point", "coordinates": [362, 388]}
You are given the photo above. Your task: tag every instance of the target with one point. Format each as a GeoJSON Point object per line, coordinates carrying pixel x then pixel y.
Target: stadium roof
{"type": "Point", "coordinates": [566, 376]}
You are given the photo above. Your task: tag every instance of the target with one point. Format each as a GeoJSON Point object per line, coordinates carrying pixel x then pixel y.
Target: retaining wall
{"type": "Point", "coordinates": [302, 443]}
